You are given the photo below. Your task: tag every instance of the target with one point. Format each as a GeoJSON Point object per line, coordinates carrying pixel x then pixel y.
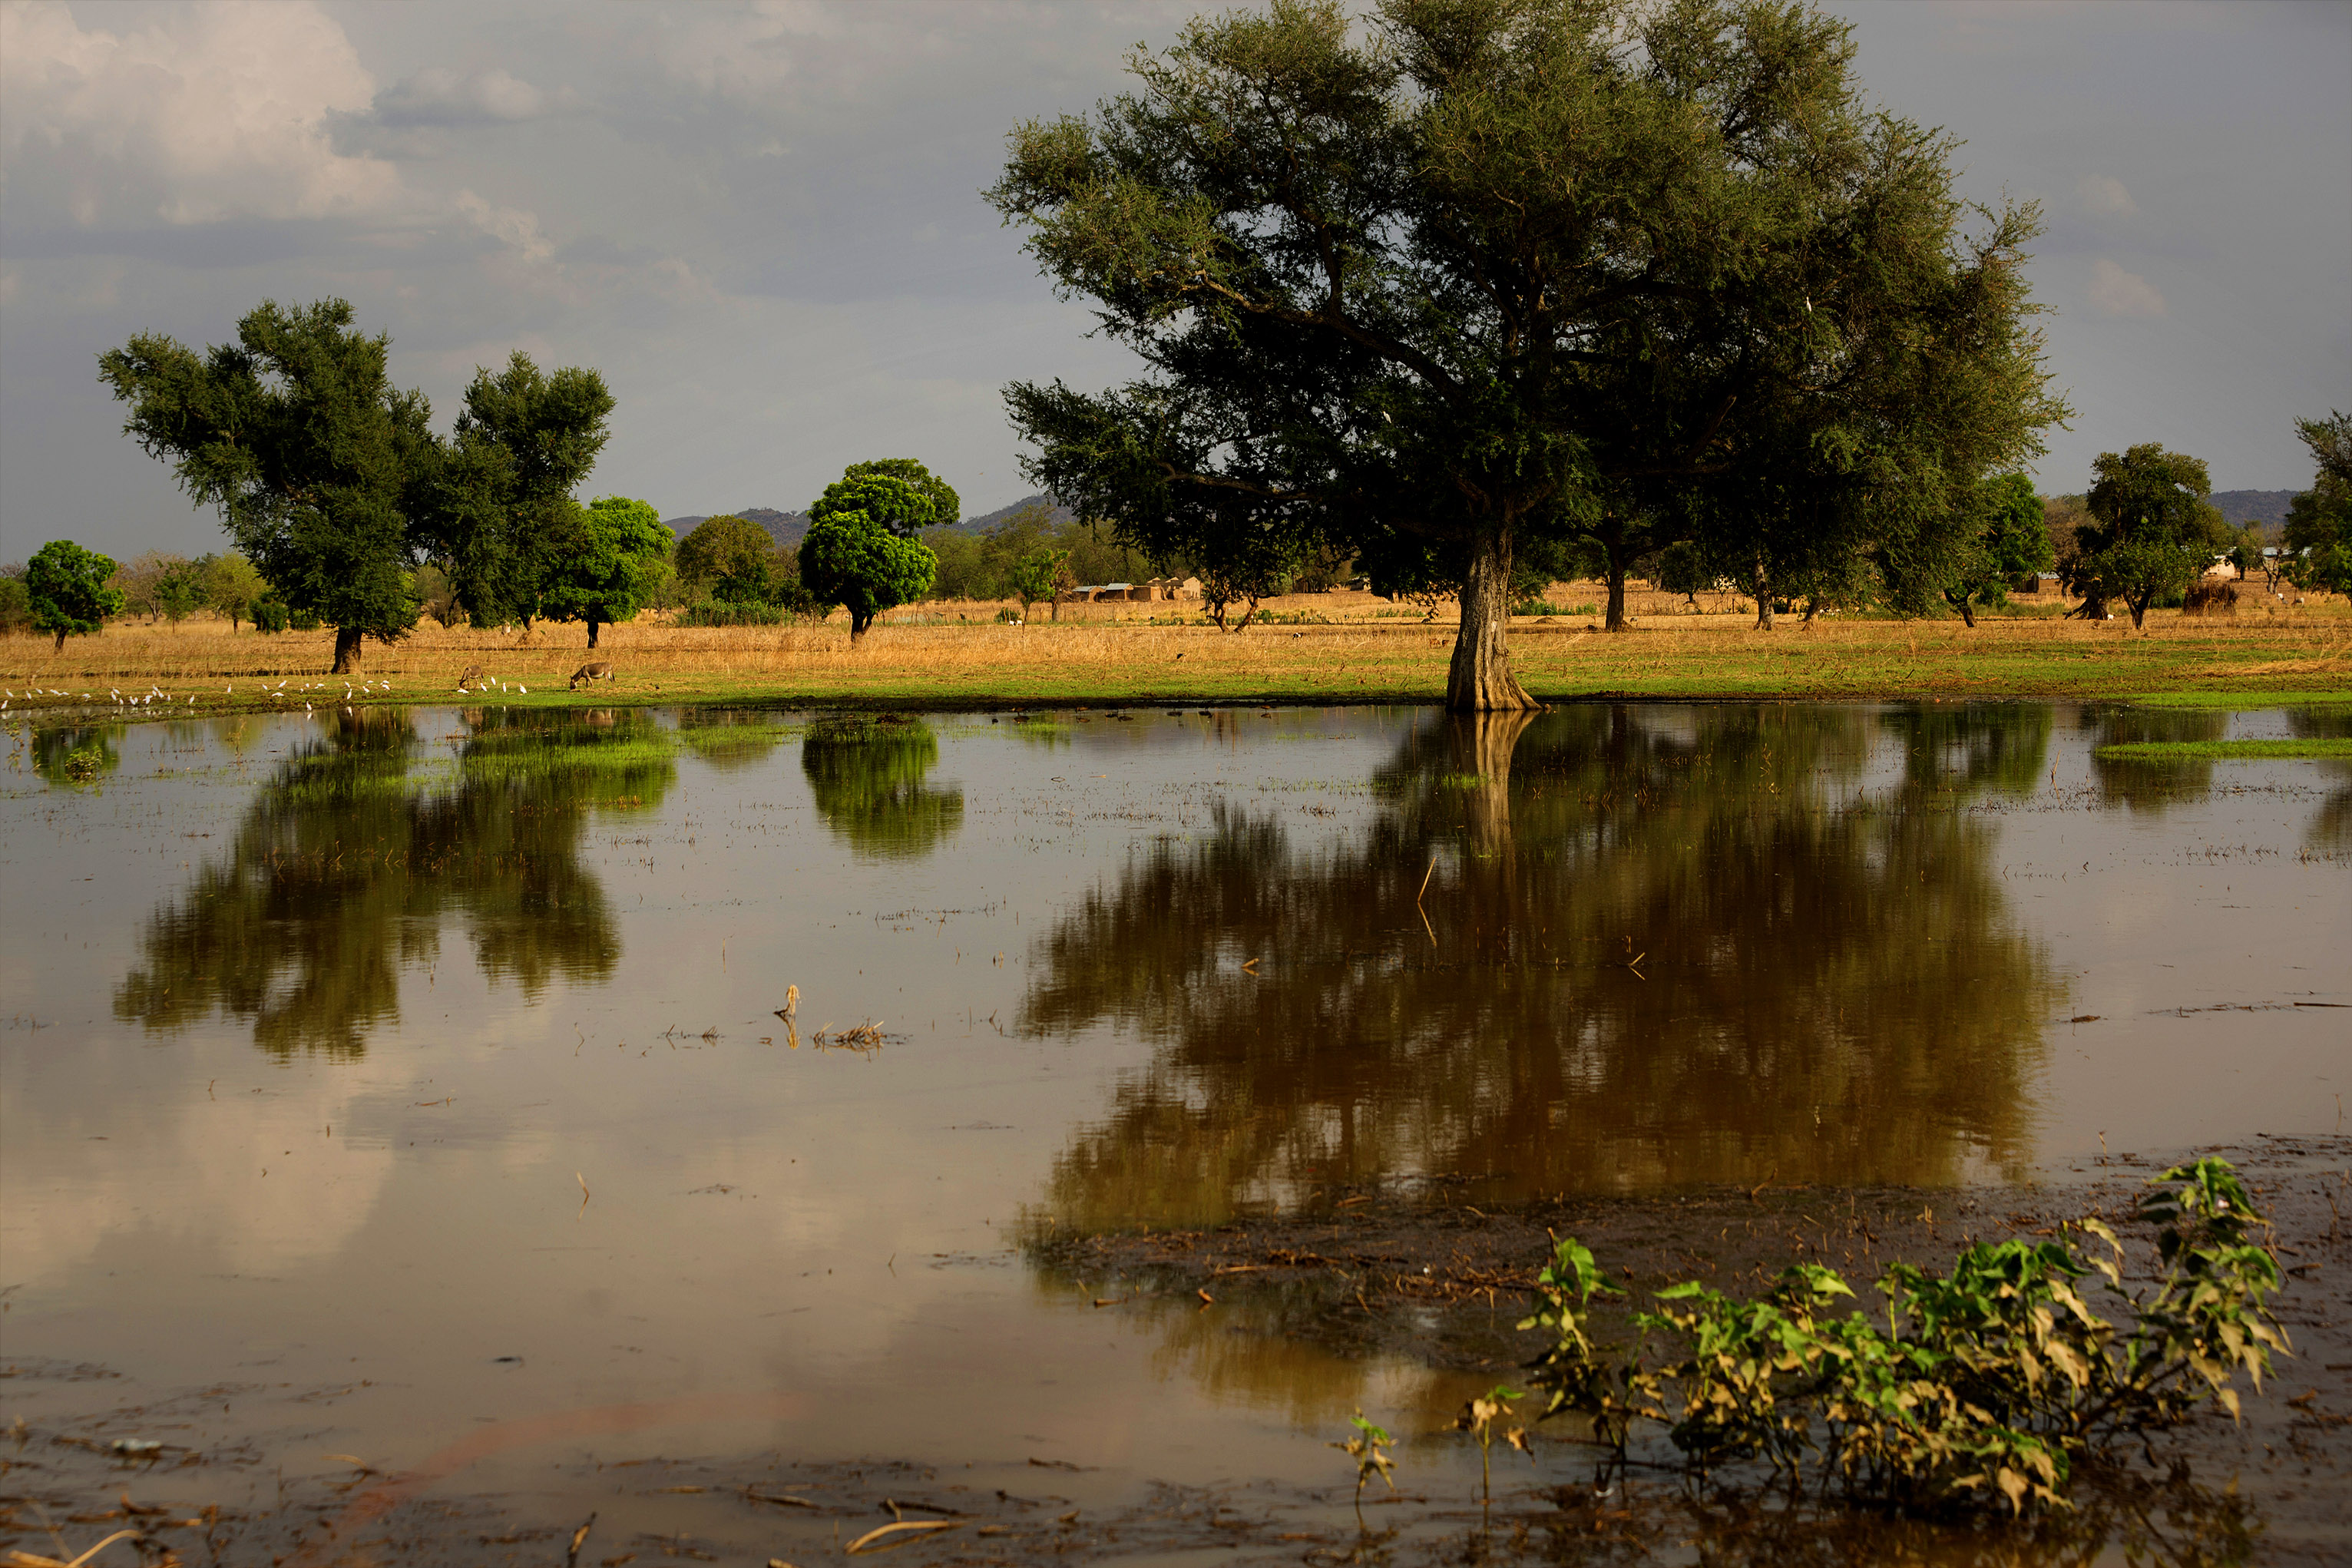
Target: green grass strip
{"type": "Point", "coordinates": [2239, 701]}
{"type": "Point", "coordinates": [2226, 751]}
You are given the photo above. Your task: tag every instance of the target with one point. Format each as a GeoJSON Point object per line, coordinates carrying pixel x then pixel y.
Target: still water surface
{"type": "Point", "coordinates": [374, 1076]}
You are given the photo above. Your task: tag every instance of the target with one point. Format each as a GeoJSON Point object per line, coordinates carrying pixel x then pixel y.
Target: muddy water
{"type": "Point", "coordinates": [409, 1085]}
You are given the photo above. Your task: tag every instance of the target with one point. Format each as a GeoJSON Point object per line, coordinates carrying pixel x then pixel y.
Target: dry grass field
{"type": "Point", "coordinates": [1334, 647]}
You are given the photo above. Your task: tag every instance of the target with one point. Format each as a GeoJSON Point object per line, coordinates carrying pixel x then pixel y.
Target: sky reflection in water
{"type": "Point", "coordinates": [337, 1016]}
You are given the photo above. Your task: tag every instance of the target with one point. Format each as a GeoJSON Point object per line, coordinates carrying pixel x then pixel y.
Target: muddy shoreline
{"type": "Point", "coordinates": [1395, 1271]}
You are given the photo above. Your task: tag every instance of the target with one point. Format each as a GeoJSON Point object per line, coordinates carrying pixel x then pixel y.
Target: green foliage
{"type": "Point", "coordinates": [2002, 539]}
{"type": "Point", "coordinates": [180, 591]}
{"type": "Point", "coordinates": [937, 497]}
{"type": "Point", "coordinates": [1370, 1449]}
{"type": "Point", "coordinates": [1478, 1418]}
{"type": "Point", "coordinates": [232, 586]}
{"type": "Point", "coordinates": [885, 500]}
{"type": "Point", "coordinates": [504, 522]}
{"type": "Point", "coordinates": [728, 557]}
{"type": "Point", "coordinates": [1992, 1379]}
{"type": "Point", "coordinates": [867, 780]}
{"type": "Point", "coordinates": [76, 756]}
{"type": "Point", "coordinates": [853, 560]}
{"type": "Point", "coordinates": [1468, 276]}
{"type": "Point", "coordinates": [270, 615]}
{"type": "Point", "coordinates": [16, 603]}
{"type": "Point", "coordinates": [608, 559]}
{"type": "Point", "coordinates": [1040, 575]}
{"type": "Point", "coordinates": [67, 586]}
{"type": "Point", "coordinates": [2150, 531]}
{"type": "Point", "coordinates": [318, 466]}
{"type": "Point", "coordinates": [2318, 538]}
{"type": "Point", "coordinates": [733, 613]}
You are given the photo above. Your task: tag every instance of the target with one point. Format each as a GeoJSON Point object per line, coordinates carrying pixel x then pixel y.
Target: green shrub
{"type": "Point", "coordinates": [269, 614]}
{"type": "Point", "coordinates": [733, 613]}
{"type": "Point", "coordinates": [1991, 1380]}
{"type": "Point", "coordinates": [302, 620]}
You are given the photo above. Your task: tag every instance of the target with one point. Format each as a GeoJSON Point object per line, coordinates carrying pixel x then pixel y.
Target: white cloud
{"type": "Point", "coordinates": [741, 51]}
{"type": "Point", "coordinates": [2104, 196]}
{"type": "Point", "coordinates": [439, 96]}
{"type": "Point", "coordinates": [518, 230]}
{"type": "Point", "coordinates": [2115, 292]}
{"type": "Point", "coordinates": [217, 112]}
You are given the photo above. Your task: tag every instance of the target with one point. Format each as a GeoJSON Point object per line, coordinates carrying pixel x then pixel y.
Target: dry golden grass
{"type": "Point", "coordinates": [955, 655]}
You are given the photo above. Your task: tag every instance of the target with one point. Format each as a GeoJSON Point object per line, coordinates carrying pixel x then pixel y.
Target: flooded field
{"type": "Point", "coordinates": [427, 1127]}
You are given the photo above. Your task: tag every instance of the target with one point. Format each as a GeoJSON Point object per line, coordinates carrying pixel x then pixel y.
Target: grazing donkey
{"type": "Point", "coordinates": [591, 672]}
{"type": "Point", "coordinates": [471, 678]}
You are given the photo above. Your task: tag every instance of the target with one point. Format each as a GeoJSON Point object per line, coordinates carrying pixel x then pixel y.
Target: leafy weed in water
{"type": "Point", "coordinates": [1993, 1379]}
{"type": "Point", "coordinates": [1370, 1449]}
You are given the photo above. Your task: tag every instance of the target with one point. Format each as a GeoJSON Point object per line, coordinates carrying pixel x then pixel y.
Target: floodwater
{"type": "Point", "coordinates": [407, 1089]}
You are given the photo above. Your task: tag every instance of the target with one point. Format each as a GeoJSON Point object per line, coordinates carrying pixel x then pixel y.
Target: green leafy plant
{"type": "Point", "coordinates": [1370, 1449]}
{"type": "Point", "coordinates": [1992, 1378]}
{"type": "Point", "coordinates": [1478, 1418]}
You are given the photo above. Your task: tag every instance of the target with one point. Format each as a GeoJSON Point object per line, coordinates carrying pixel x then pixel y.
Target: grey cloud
{"type": "Point", "coordinates": [438, 96]}
{"type": "Point", "coordinates": [718, 206]}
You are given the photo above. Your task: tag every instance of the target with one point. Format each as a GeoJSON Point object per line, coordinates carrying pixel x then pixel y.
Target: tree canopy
{"type": "Point", "coordinates": [904, 507]}
{"type": "Point", "coordinates": [2151, 530]}
{"type": "Point", "coordinates": [2318, 538]}
{"type": "Point", "coordinates": [317, 463]}
{"type": "Point", "coordinates": [606, 562]}
{"type": "Point", "coordinates": [504, 520]}
{"type": "Point", "coordinates": [231, 585]}
{"type": "Point", "coordinates": [730, 556]}
{"type": "Point", "coordinates": [946, 506]}
{"type": "Point", "coordinates": [67, 587]}
{"type": "Point", "coordinates": [2005, 540]}
{"type": "Point", "coordinates": [851, 560]}
{"type": "Point", "coordinates": [1488, 270]}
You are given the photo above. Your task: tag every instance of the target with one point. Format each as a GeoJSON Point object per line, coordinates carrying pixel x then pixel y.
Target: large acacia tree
{"type": "Point", "coordinates": [317, 462]}
{"type": "Point", "coordinates": [1485, 272]}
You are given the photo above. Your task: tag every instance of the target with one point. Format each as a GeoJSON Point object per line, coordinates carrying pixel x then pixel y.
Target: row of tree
{"type": "Point", "coordinates": [335, 488]}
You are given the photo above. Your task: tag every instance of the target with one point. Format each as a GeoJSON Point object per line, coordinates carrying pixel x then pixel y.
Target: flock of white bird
{"type": "Point", "coordinates": [148, 697]}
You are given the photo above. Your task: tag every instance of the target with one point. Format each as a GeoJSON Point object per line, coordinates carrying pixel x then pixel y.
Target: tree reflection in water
{"type": "Point", "coordinates": [357, 852]}
{"type": "Point", "coordinates": [1830, 984]}
{"type": "Point", "coordinates": [2152, 787]}
{"type": "Point", "coordinates": [867, 775]}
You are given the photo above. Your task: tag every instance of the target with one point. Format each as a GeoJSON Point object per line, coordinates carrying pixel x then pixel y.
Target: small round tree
{"type": "Point", "coordinates": [609, 562]}
{"type": "Point", "coordinates": [730, 556]}
{"type": "Point", "coordinates": [67, 587]}
{"type": "Point", "coordinates": [849, 559]}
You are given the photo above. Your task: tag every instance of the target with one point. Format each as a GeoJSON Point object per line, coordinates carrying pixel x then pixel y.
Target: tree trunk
{"type": "Point", "coordinates": [2139, 604]}
{"type": "Point", "coordinates": [1612, 542]}
{"type": "Point", "coordinates": [1961, 605]}
{"type": "Point", "coordinates": [347, 650]}
{"type": "Point", "coordinates": [60, 645]}
{"type": "Point", "coordinates": [1480, 679]}
{"type": "Point", "coordinates": [857, 624]}
{"type": "Point", "coordinates": [593, 624]}
{"type": "Point", "coordinates": [1482, 745]}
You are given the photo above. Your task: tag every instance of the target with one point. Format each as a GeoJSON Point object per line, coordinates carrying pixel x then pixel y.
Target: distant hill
{"type": "Point", "coordinates": [2240, 508]}
{"type": "Point", "coordinates": [788, 528]}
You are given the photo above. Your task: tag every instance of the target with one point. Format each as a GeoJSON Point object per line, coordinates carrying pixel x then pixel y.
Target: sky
{"type": "Point", "coordinates": [761, 221]}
